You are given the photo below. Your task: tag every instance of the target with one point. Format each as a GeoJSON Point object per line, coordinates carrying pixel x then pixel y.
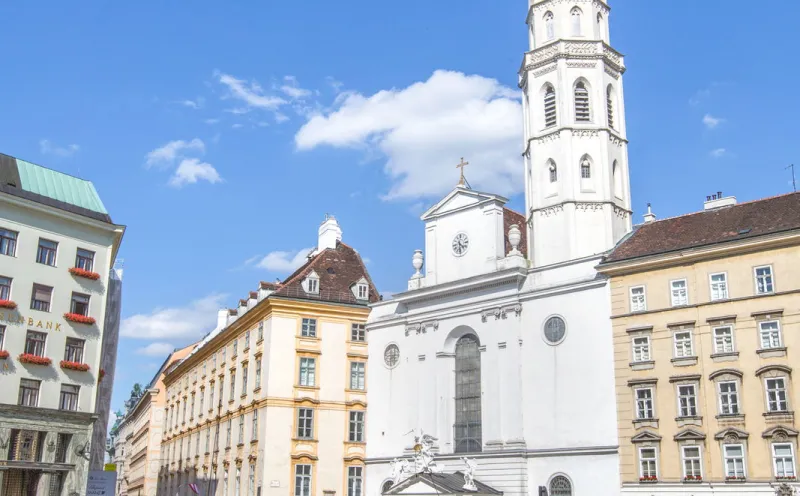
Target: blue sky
{"type": "Point", "coordinates": [221, 133]}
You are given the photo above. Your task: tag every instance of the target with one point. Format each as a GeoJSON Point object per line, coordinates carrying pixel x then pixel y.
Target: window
{"type": "Point", "coordinates": [648, 463]}
{"type": "Point", "coordinates": [582, 113]}
{"type": "Point", "coordinates": [228, 433]}
{"type": "Point", "coordinates": [79, 304]}
{"type": "Point", "coordinates": [258, 372]}
{"type": "Point", "coordinates": [363, 291]}
{"type": "Point", "coordinates": [237, 482]}
{"type": "Point", "coordinates": [641, 349]}
{"type": "Point", "coordinates": [2, 336]}
{"type": "Point", "coordinates": [62, 444]}
{"type": "Point", "coordinates": [46, 254]}
{"type": "Point", "coordinates": [560, 486]}
{"type": "Point", "coordinates": [638, 299]}
{"type": "Point", "coordinates": [391, 356]}
{"type": "Point", "coordinates": [586, 169]}
{"type": "Point", "coordinates": [358, 332]}
{"type": "Point", "coordinates": [191, 409]}
{"type": "Point", "coordinates": [354, 480]}
{"type": "Point", "coordinates": [644, 404]}
{"type": "Point", "coordinates": [550, 116]}
{"type": "Point", "coordinates": [211, 395]}
{"type": "Point", "coordinates": [244, 378]}
{"type": "Point", "coordinates": [235, 348]}
{"type": "Point", "coordinates": [733, 455]}
{"type": "Point", "coordinates": [553, 171]}
{"type": "Point", "coordinates": [5, 288]}
{"type": "Point", "coordinates": [683, 344]}
{"type": "Point", "coordinates": [224, 482]}
{"type": "Point", "coordinates": [223, 354]}
{"type": "Point", "coordinates": [302, 480]}
{"type": "Point", "coordinates": [723, 339]}
{"type": "Point", "coordinates": [728, 398]}
{"type": "Point", "coordinates": [233, 384]}
{"type": "Point", "coordinates": [28, 392]}
{"type": "Point", "coordinates": [764, 280]}
{"type": "Point", "coordinates": [610, 106]}
{"type": "Point", "coordinates": [309, 328]}
{"type": "Point", "coordinates": [576, 21]}
{"type": "Point", "coordinates": [74, 350]}
{"type": "Point", "coordinates": [687, 401]}
{"type": "Point", "coordinates": [776, 395]}
{"type": "Point", "coordinates": [84, 259]}
{"type": "Point", "coordinates": [34, 343]}
{"type": "Point", "coordinates": [357, 372]}
{"type": "Point", "coordinates": [692, 463]}
{"type": "Point", "coordinates": [216, 437]}
{"type": "Point", "coordinates": [247, 340]}
{"type": "Point", "coordinates": [208, 439]}
{"type": "Point", "coordinates": [549, 25]}
{"type": "Point", "coordinates": [202, 397]}
{"type": "Point", "coordinates": [468, 435]}
{"type": "Point", "coordinates": [308, 369]}
{"type": "Point", "coordinates": [770, 332]}
{"type": "Point", "coordinates": [261, 330]}
{"type": "Point", "coordinates": [241, 429]}
{"type": "Point", "coordinates": [8, 242]}
{"type": "Point", "coordinates": [356, 434]}
{"type": "Point", "coordinates": [305, 423]}
{"type": "Point", "coordinates": [783, 460]}
{"type": "Point", "coordinates": [313, 285]}
{"type": "Point", "coordinates": [254, 426]}
{"type": "Point", "coordinates": [719, 286]}
{"type": "Point", "coordinates": [679, 293]}
{"type": "Point", "coordinates": [40, 299]}
{"type": "Point", "coordinates": [251, 485]}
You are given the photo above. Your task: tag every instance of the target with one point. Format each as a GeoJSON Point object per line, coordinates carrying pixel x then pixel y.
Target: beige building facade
{"type": "Point", "coordinates": [706, 323]}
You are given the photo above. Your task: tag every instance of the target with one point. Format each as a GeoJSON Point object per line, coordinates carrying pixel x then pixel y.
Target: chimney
{"type": "Point", "coordinates": [329, 233]}
{"type": "Point", "coordinates": [222, 318]}
{"type": "Point", "coordinates": [649, 216]}
{"type": "Point", "coordinates": [717, 201]}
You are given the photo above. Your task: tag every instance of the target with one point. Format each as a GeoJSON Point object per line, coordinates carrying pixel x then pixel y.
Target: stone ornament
{"type": "Point", "coordinates": [469, 474]}
{"type": "Point", "coordinates": [514, 237]}
{"type": "Point", "coordinates": [416, 262]}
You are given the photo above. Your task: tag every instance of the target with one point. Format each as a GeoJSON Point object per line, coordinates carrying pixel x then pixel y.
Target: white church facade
{"type": "Point", "coordinates": [501, 351]}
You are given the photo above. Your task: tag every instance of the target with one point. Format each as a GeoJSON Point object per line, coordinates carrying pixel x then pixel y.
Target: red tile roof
{"type": "Point", "coordinates": [511, 217]}
{"type": "Point", "coordinates": [745, 220]}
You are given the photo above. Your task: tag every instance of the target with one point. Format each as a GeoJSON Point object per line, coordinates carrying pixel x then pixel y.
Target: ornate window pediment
{"type": "Point", "coordinates": [646, 437]}
{"type": "Point", "coordinates": [731, 435]}
{"type": "Point", "coordinates": [689, 434]}
{"type": "Point", "coordinates": [779, 433]}
{"type": "Point", "coordinates": [774, 368]}
{"type": "Point", "coordinates": [725, 372]}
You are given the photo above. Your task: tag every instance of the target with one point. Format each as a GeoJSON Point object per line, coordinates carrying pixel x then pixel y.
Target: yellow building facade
{"type": "Point", "coordinates": [706, 319]}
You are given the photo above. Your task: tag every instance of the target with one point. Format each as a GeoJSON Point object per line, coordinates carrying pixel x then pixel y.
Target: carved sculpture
{"type": "Point", "coordinates": [469, 474]}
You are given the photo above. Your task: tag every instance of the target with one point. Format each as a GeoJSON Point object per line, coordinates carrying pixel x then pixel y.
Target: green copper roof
{"type": "Point", "coordinates": [59, 186]}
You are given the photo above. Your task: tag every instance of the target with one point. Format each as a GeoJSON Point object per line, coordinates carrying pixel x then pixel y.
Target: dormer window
{"type": "Point", "coordinates": [363, 291]}
{"type": "Point", "coordinates": [311, 283]}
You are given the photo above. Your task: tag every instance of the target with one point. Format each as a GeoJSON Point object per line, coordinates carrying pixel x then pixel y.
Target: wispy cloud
{"type": "Point", "coordinates": [279, 261]}
{"type": "Point", "coordinates": [48, 148]}
{"type": "Point", "coordinates": [712, 122]}
{"type": "Point", "coordinates": [192, 170]}
{"type": "Point", "coordinates": [334, 84]}
{"type": "Point", "coordinates": [196, 104]}
{"type": "Point", "coordinates": [250, 93]}
{"type": "Point", "coordinates": [279, 98]}
{"type": "Point", "coordinates": [190, 321]}
{"type": "Point", "coordinates": [165, 155]}
{"type": "Point", "coordinates": [211, 122]}
{"type": "Point", "coordinates": [156, 349]}
{"type": "Point", "coordinates": [293, 90]}
{"type": "Point", "coordinates": [189, 169]}
{"type": "Point", "coordinates": [718, 152]}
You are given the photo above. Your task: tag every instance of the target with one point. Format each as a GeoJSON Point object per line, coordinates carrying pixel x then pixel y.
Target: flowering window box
{"type": "Point", "coordinates": [3, 354]}
{"type": "Point", "coordinates": [8, 304]}
{"type": "Point", "coordinates": [693, 478]}
{"type": "Point", "coordinates": [80, 319]}
{"type": "Point", "coordinates": [88, 274]}
{"type": "Point", "coordinates": [650, 479]}
{"type": "Point", "coordinates": [80, 367]}
{"type": "Point", "coordinates": [735, 478]}
{"type": "Point", "coordinates": [786, 478]}
{"type": "Point", "coordinates": [34, 359]}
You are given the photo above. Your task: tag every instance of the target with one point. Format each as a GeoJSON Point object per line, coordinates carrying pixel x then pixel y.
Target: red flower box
{"type": "Point", "coordinates": [80, 367]}
{"type": "Point", "coordinates": [3, 354]}
{"type": "Point", "coordinates": [735, 478]}
{"type": "Point", "coordinates": [80, 319]}
{"type": "Point", "coordinates": [786, 478]}
{"type": "Point", "coordinates": [648, 478]}
{"type": "Point", "coordinates": [8, 304]}
{"type": "Point", "coordinates": [34, 359]}
{"type": "Point", "coordinates": [693, 478]}
{"type": "Point", "coordinates": [88, 274]}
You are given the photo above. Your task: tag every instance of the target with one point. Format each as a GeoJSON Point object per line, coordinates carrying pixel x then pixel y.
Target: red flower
{"type": "Point", "coordinates": [3, 354]}
{"type": "Point", "coordinates": [80, 319]}
{"type": "Point", "coordinates": [8, 304]}
{"type": "Point", "coordinates": [101, 375]}
{"type": "Point", "coordinates": [80, 367]}
{"type": "Point", "coordinates": [34, 359]}
{"type": "Point", "coordinates": [88, 274]}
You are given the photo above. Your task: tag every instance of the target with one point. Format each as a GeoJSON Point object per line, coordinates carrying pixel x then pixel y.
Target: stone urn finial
{"type": "Point", "coordinates": [514, 237]}
{"type": "Point", "coordinates": [416, 262]}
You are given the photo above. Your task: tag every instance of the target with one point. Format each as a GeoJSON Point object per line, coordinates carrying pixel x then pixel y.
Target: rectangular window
{"type": "Point", "coordinates": [354, 481]}
{"type": "Point", "coordinates": [638, 299]}
{"type": "Point", "coordinates": [258, 372]}
{"type": "Point", "coordinates": [211, 395]}
{"type": "Point", "coordinates": [308, 371]}
{"type": "Point", "coordinates": [247, 340]}
{"type": "Point", "coordinates": [648, 463]}
{"type": "Point", "coordinates": [644, 403]}
{"type": "Point", "coordinates": [357, 372]}
{"type": "Point", "coordinates": [8, 242]}
{"type": "Point", "coordinates": [202, 397]}
{"type": "Point", "coordinates": [235, 347]}
{"type": "Point", "coordinates": [305, 423]}
{"type": "Point", "coordinates": [79, 304]}
{"type": "Point", "coordinates": [223, 354]}
{"type": "Point", "coordinates": [5, 288]}
{"type": "Point", "coordinates": [692, 463]}
{"type": "Point", "coordinates": [641, 349]}
{"type": "Point", "coordinates": [241, 429]}
{"type": "Point", "coordinates": [776, 395]}
{"type": "Point", "coordinates": [214, 362]}
{"type": "Point", "coordinates": [313, 285]}
{"type": "Point", "coordinates": [216, 437]}
{"type": "Point", "coordinates": [683, 344]}
{"type": "Point", "coordinates": [40, 299]}
{"type": "Point", "coordinates": [723, 339]}
{"type": "Point", "coordinates": [74, 350]}
{"type": "Point", "coordinates": [34, 343]}
{"type": "Point", "coordinates": [358, 333]}
{"type": "Point", "coordinates": [356, 427]}
{"type": "Point", "coordinates": [228, 433]}
{"type": "Point", "coordinates": [719, 286]}
{"type": "Point", "coordinates": [2, 336]}
{"type": "Point", "coordinates": [783, 460]}
{"type": "Point", "coordinates": [680, 295]}
{"type": "Point", "coordinates": [84, 259]}
{"type": "Point", "coordinates": [208, 439]}
{"type": "Point", "coordinates": [251, 485]}
{"type": "Point", "coordinates": [764, 284]}
{"type": "Point", "coordinates": [254, 433]}
{"type": "Point", "coordinates": [302, 480]}
{"type": "Point", "coordinates": [46, 254]}
{"type": "Point", "coordinates": [363, 291]}
{"type": "Point", "coordinates": [687, 401]}
{"type": "Point", "coordinates": [734, 460]}
{"type": "Point", "coordinates": [233, 384]}
{"type": "Point", "coordinates": [261, 330]}
{"type": "Point", "coordinates": [244, 378]}
{"type": "Point", "coordinates": [728, 398]}
{"type": "Point", "coordinates": [770, 332]}
{"type": "Point", "coordinates": [309, 328]}
{"type": "Point", "coordinates": [29, 392]}
{"type": "Point", "coordinates": [62, 445]}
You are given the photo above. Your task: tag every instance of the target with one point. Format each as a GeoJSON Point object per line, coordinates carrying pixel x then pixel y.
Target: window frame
{"type": "Point", "coordinates": [358, 373]}
{"type": "Point", "coordinates": [645, 347]}
{"type": "Point", "coordinates": [631, 299]}
{"type": "Point", "coordinates": [654, 459]}
{"type": "Point", "coordinates": [258, 372]}
{"type": "Point", "coordinates": [685, 290]}
{"type": "Point", "coordinates": [778, 330]}
{"type": "Point", "coordinates": [550, 105]}
{"type": "Point", "coordinates": [72, 398]}
{"type": "Point", "coordinates": [585, 107]}
{"type": "Point", "coordinates": [6, 288]}
{"type": "Point", "coordinates": [8, 241]}
{"type": "Point", "coordinates": [30, 390]}
{"type": "Point", "coordinates": [43, 253]}
{"type": "Point", "coordinates": [355, 475]}
{"type": "Point", "coordinates": [775, 459]}
{"type": "Point", "coordinates": [725, 459]}
{"type": "Point", "coordinates": [308, 327]}
{"type": "Point", "coordinates": [771, 278]}
{"type": "Point", "coordinates": [303, 481]}
{"type": "Point", "coordinates": [83, 257]}
{"type": "Point", "coordinates": [778, 401]}
{"type": "Point", "coordinates": [714, 330]}
{"type": "Point", "coordinates": [305, 423]}
{"type": "Point", "coordinates": [34, 334]}
{"type": "Point", "coordinates": [311, 372]}
{"type": "Point", "coordinates": [728, 394]}
{"type": "Point", "coordinates": [76, 300]}
{"type": "Point", "coordinates": [699, 460]}
{"type": "Point", "coordinates": [725, 289]}
{"type": "Point", "coordinates": [358, 333]}
{"type": "Point", "coordinates": [78, 347]}
{"type": "Point", "coordinates": [49, 302]}
{"type": "Point", "coordinates": [690, 341]}
{"type": "Point", "coordinates": [689, 399]}
{"type": "Point", "coordinates": [651, 401]}
{"type": "Point", "coordinates": [362, 288]}
{"type": "Point", "coordinates": [356, 426]}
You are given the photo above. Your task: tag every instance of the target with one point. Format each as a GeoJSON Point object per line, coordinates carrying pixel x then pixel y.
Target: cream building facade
{"type": "Point", "coordinates": [706, 319]}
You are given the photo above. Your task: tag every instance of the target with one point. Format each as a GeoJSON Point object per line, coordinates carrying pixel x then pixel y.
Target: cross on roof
{"type": "Point", "coordinates": [462, 180]}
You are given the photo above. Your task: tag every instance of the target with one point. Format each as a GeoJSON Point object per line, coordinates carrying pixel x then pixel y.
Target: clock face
{"type": "Point", "coordinates": [460, 244]}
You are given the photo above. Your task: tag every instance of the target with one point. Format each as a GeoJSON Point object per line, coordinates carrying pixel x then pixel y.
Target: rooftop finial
{"type": "Point", "coordinates": [462, 181]}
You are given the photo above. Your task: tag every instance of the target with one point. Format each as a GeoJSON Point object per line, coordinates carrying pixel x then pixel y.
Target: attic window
{"type": "Point", "coordinates": [311, 283]}
{"type": "Point", "coordinates": [331, 271]}
{"type": "Point", "coordinates": [363, 291]}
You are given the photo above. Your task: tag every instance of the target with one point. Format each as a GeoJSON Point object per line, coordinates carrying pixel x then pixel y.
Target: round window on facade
{"type": "Point", "coordinates": [391, 356]}
{"type": "Point", "coordinates": [555, 329]}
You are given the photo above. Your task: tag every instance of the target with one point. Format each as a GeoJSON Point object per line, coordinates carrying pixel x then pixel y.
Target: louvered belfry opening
{"type": "Point", "coordinates": [581, 103]}
{"type": "Point", "coordinates": [467, 430]}
{"type": "Point", "coordinates": [550, 107]}
{"type": "Point", "coordinates": [610, 107]}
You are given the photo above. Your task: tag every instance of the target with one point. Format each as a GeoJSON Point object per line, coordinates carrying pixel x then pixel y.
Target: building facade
{"type": "Point", "coordinates": [706, 318]}
{"type": "Point", "coordinates": [57, 249]}
{"type": "Point", "coordinates": [273, 402]}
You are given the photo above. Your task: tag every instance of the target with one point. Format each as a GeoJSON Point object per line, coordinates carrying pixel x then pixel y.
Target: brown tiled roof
{"type": "Point", "coordinates": [746, 220]}
{"type": "Point", "coordinates": [269, 285]}
{"type": "Point", "coordinates": [253, 294]}
{"type": "Point", "coordinates": [511, 217]}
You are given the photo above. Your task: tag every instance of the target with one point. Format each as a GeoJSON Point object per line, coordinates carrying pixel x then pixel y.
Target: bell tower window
{"type": "Point", "coordinates": [582, 113]}
{"type": "Point", "coordinates": [610, 106]}
{"type": "Point", "coordinates": [575, 15]}
{"type": "Point", "coordinates": [467, 435]}
{"type": "Point", "coordinates": [553, 171]}
{"type": "Point", "coordinates": [549, 26]}
{"type": "Point", "coordinates": [586, 169]}
{"type": "Point", "coordinates": [549, 106]}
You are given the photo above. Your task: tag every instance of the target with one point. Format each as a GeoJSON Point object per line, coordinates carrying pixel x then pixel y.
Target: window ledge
{"type": "Point", "coordinates": [245, 350]}
{"type": "Point", "coordinates": [772, 352]}
{"type": "Point", "coordinates": [307, 388]}
{"type": "Point", "coordinates": [244, 396]}
{"type": "Point", "coordinates": [254, 441]}
{"type": "Point", "coordinates": [643, 365]}
{"type": "Point", "coordinates": [735, 417]}
{"type": "Point", "coordinates": [725, 357]}
{"type": "Point", "coordinates": [779, 417]}
{"type": "Point", "coordinates": [230, 401]}
{"type": "Point", "coordinates": [356, 442]}
{"type": "Point", "coordinates": [305, 440]}
{"type": "Point", "coordinates": [684, 361]}
{"type": "Point", "coordinates": [240, 445]}
{"type": "Point", "coordinates": [736, 480]}
{"type": "Point", "coordinates": [640, 423]}
{"type": "Point", "coordinates": [692, 420]}
{"type": "Point", "coordinates": [360, 391]}
{"type": "Point", "coordinates": [257, 389]}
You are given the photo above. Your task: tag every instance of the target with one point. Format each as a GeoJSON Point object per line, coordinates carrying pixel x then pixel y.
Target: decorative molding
{"type": "Point", "coordinates": [731, 435]}
{"type": "Point", "coordinates": [589, 206]}
{"type": "Point", "coordinates": [554, 136]}
{"type": "Point", "coordinates": [621, 212]}
{"type": "Point", "coordinates": [689, 434]}
{"type": "Point", "coordinates": [779, 433]}
{"type": "Point", "coordinates": [717, 373]}
{"type": "Point", "coordinates": [614, 139]}
{"type": "Point", "coordinates": [490, 312]}
{"type": "Point", "coordinates": [572, 49]}
{"type": "Point", "coordinates": [585, 133]}
{"type": "Point", "coordinates": [548, 211]}
{"type": "Point", "coordinates": [413, 327]}
{"type": "Point", "coordinates": [545, 70]}
{"type": "Point", "coordinates": [774, 368]}
{"type": "Point", "coordinates": [610, 71]}
{"type": "Point", "coordinates": [581, 65]}
{"type": "Point", "coordinates": [516, 308]}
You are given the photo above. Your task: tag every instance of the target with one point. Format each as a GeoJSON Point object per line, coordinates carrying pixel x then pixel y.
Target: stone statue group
{"type": "Point", "coordinates": [423, 462]}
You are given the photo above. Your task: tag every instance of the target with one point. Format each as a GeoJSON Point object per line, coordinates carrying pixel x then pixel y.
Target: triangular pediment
{"type": "Point", "coordinates": [731, 433]}
{"type": "Point", "coordinates": [689, 434]}
{"type": "Point", "coordinates": [779, 430]}
{"type": "Point", "coordinates": [439, 483]}
{"type": "Point", "coordinates": [461, 199]}
{"type": "Point", "coordinates": [646, 436]}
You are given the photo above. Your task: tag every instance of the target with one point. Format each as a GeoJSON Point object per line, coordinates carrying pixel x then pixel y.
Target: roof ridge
{"type": "Point", "coordinates": [48, 168]}
{"type": "Point", "coordinates": [689, 214]}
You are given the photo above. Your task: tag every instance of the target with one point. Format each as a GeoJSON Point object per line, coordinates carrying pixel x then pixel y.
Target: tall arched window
{"type": "Point", "coordinates": [550, 106]}
{"type": "Point", "coordinates": [560, 486]}
{"type": "Point", "coordinates": [582, 113]}
{"type": "Point", "coordinates": [575, 15]}
{"type": "Point", "coordinates": [549, 25]}
{"type": "Point", "coordinates": [586, 168]}
{"type": "Point", "coordinates": [467, 430]}
{"type": "Point", "coordinates": [610, 105]}
{"type": "Point", "coordinates": [552, 170]}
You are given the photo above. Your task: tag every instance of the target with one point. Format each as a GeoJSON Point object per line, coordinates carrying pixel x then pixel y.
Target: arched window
{"type": "Point", "coordinates": [552, 169]}
{"type": "Point", "coordinates": [610, 105]}
{"type": "Point", "coordinates": [586, 168]}
{"type": "Point", "coordinates": [582, 113]}
{"type": "Point", "coordinates": [549, 106]}
{"type": "Point", "coordinates": [549, 25]}
{"type": "Point", "coordinates": [386, 486]}
{"type": "Point", "coordinates": [560, 486]}
{"type": "Point", "coordinates": [575, 14]}
{"type": "Point", "coordinates": [467, 430]}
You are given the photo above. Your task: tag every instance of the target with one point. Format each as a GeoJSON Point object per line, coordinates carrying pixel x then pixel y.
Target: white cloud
{"type": "Point", "coordinates": [279, 118]}
{"type": "Point", "coordinates": [156, 349]}
{"type": "Point", "coordinates": [281, 261]}
{"type": "Point", "coordinates": [250, 93]}
{"type": "Point", "coordinates": [293, 90]}
{"type": "Point", "coordinates": [424, 129]}
{"type": "Point", "coordinates": [167, 154]}
{"type": "Point", "coordinates": [48, 148]}
{"type": "Point", "coordinates": [191, 321]}
{"type": "Point", "coordinates": [194, 104]}
{"type": "Point", "coordinates": [718, 152]}
{"type": "Point", "coordinates": [711, 122]}
{"type": "Point", "coordinates": [191, 170]}
{"type": "Point", "coordinates": [211, 121]}
{"type": "Point", "coordinates": [334, 84]}
{"type": "Point", "coordinates": [237, 125]}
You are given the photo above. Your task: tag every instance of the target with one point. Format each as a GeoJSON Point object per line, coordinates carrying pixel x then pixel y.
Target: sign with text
{"type": "Point", "coordinates": [101, 483]}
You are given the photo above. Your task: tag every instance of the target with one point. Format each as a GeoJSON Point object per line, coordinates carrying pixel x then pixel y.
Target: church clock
{"type": "Point", "coordinates": [460, 244]}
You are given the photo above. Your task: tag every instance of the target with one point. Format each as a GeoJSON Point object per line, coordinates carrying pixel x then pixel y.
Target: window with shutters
{"type": "Point", "coordinates": [582, 113]}
{"type": "Point", "coordinates": [550, 115]}
{"type": "Point", "coordinates": [468, 425]}
{"type": "Point", "coordinates": [610, 106]}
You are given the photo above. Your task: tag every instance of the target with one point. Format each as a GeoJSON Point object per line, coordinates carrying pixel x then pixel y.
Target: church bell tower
{"type": "Point", "coordinates": [577, 188]}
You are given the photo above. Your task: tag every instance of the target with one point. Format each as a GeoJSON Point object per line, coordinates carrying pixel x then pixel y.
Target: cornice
{"type": "Point", "coordinates": [573, 49]}
{"type": "Point", "coordinates": [484, 281]}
